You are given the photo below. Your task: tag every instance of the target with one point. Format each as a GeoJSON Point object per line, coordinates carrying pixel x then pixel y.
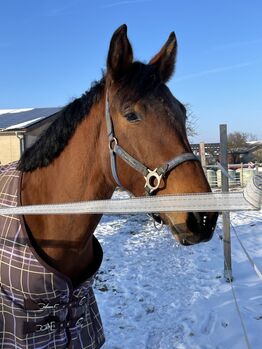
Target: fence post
{"type": "Point", "coordinates": [242, 176]}
{"type": "Point", "coordinates": [202, 153]}
{"type": "Point", "coordinates": [225, 215]}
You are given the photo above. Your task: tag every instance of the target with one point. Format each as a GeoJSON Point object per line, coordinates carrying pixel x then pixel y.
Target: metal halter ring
{"type": "Point", "coordinates": [112, 142]}
{"type": "Point", "coordinates": [150, 178]}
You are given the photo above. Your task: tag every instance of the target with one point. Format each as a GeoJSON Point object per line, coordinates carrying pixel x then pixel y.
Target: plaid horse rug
{"type": "Point", "coordinates": [39, 308]}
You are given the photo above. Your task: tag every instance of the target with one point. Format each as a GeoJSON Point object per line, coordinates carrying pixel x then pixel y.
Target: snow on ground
{"type": "Point", "coordinates": [155, 294]}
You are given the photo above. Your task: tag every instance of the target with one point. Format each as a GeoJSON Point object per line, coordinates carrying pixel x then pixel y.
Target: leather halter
{"type": "Point", "coordinates": [152, 177]}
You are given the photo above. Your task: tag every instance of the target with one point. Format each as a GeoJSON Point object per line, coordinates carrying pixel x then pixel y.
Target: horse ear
{"type": "Point", "coordinates": [165, 59]}
{"type": "Point", "coordinates": [120, 54]}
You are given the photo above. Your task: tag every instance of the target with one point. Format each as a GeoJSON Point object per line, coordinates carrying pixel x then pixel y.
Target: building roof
{"type": "Point", "coordinates": [20, 119]}
{"type": "Point", "coordinates": [248, 148]}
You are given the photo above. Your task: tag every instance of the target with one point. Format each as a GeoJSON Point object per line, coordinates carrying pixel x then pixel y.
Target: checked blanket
{"type": "Point", "coordinates": [39, 308]}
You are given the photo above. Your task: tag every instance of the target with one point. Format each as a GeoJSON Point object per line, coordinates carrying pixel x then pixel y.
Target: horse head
{"type": "Point", "coordinates": [147, 134]}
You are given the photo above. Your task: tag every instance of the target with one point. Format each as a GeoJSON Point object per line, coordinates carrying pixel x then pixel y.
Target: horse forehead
{"type": "Point", "coordinates": [164, 102]}
{"type": "Point", "coordinates": [155, 99]}
{"type": "Point", "coordinates": [160, 96]}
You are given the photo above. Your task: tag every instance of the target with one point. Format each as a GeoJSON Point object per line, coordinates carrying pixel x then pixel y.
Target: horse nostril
{"type": "Point", "coordinates": [200, 218]}
{"type": "Point", "coordinates": [201, 222]}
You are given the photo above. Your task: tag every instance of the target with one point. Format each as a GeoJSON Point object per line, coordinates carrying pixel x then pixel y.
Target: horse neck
{"type": "Point", "coordinates": [81, 172]}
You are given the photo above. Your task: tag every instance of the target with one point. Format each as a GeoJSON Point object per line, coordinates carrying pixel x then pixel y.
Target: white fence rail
{"type": "Point", "coordinates": [249, 199]}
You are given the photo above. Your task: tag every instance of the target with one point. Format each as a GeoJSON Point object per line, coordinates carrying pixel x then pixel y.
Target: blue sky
{"type": "Point", "coordinates": [50, 52]}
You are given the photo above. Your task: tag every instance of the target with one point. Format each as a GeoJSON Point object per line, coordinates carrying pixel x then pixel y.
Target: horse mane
{"type": "Point", "coordinates": [55, 138]}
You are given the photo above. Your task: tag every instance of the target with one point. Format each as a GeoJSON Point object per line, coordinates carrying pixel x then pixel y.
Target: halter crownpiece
{"type": "Point", "coordinates": [152, 177]}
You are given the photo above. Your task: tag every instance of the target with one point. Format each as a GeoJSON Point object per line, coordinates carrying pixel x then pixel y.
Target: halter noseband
{"type": "Point", "coordinates": [152, 177]}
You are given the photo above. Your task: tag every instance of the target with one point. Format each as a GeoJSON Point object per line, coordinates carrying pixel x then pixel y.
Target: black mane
{"type": "Point", "coordinates": [54, 139]}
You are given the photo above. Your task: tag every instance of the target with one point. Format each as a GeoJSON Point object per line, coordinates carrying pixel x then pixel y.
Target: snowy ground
{"type": "Point", "coordinates": [155, 294]}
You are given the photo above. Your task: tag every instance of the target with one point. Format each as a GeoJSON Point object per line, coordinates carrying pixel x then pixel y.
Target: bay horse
{"type": "Point", "coordinates": [128, 130]}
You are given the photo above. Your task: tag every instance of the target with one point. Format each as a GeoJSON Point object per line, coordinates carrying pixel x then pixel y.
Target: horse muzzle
{"type": "Point", "coordinates": [190, 228]}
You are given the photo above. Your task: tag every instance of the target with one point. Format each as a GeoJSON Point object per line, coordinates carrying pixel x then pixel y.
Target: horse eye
{"type": "Point", "coordinates": [132, 117]}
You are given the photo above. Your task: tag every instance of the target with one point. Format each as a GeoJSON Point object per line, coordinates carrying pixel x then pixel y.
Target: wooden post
{"type": "Point", "coordinates": [225, 215]}
{"type": "Point", "coordinates": [203, 156]}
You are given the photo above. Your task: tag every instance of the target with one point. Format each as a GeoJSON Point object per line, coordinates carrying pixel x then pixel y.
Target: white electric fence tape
{"type": "Point", "coordinates": [251, 261]}
{"type": "Point", "coordinates": [250, 199]}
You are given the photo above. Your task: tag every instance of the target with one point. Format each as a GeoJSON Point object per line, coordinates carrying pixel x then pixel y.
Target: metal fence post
{"type": "Point", "coordinates": [242, 175]}
{"type": "Point", "coordinates": [202, 152]}
{"type": "Point", "coordinates": [226, 216]}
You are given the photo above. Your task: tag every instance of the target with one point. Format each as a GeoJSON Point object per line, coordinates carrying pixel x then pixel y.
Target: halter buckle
{"type": "Point", "coordinates": [153, 180]}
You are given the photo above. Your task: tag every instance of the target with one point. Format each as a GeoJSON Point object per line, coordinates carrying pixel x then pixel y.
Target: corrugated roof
{"type": "Point", "coordinates": [24, 118]}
